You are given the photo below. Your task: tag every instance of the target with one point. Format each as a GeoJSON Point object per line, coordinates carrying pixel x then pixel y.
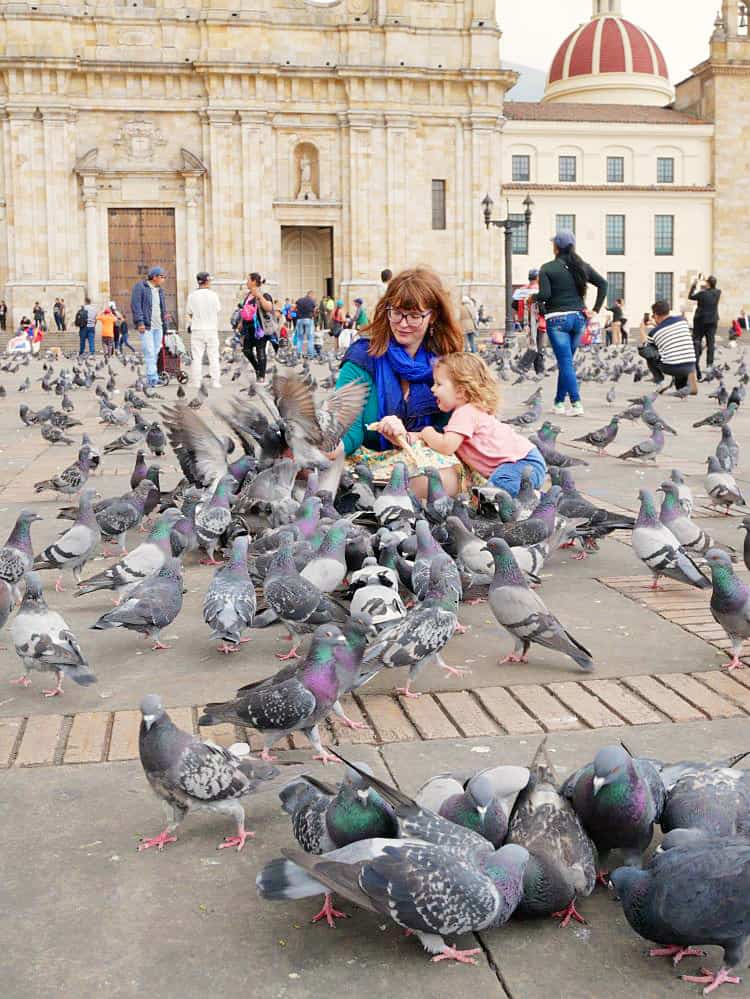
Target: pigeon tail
{"type": "Point", "coordinates": [282, 879]}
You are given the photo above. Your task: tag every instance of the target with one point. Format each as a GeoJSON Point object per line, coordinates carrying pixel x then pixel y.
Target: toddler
{"type": "Point", "coordinates": [465, 387]}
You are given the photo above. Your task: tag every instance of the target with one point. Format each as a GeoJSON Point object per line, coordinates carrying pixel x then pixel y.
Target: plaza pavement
{"type": "Point", "coordinates": [85, 913]}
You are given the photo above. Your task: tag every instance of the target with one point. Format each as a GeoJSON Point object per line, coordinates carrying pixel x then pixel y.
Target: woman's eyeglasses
{"type": "Point", "coordinates": [413, 319]}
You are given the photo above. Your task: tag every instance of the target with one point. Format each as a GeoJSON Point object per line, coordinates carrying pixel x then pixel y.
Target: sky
{"type": "Point", "coordinates": [533, 31]}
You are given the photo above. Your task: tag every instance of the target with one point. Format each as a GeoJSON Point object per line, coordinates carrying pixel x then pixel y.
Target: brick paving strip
{"type": "Point", "coordinates": [104, 736]}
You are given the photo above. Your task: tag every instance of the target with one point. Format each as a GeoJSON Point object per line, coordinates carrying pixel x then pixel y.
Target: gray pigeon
{"type": "Point", "coordinates": [712, 799]}
{"type": "Point", "coordinates": [142, 562]}
{"type": "Point", "coordinates": [420, 636]}
{"type": "Point", "coordinates": [17, 555]}
{"type": "Point", "coordinates": [373, 591]}
{"type": "Point", "coordinates": [76, 546]}
{"type": "Point", "coordinates": [721, 486]}
{"type": "Point", "coordinates": [730, 603]}
{"type": "Point", "coordinates": [72, 479]}
{"type": "Point", "coordinates": [728, 451]}
{"type": "Point", "coordinates": [689, 896]}
{"type": "Point", "coordinates": [328, 567]}
{"type": "Point", "coordinates": [7, 602]}
{"type": "Point", "coordinates": [44, 642]}
{"type": "Point", "coordinates": [601, 438]}
{"type": "Point", "coordinates": [684, 491]}
{"type": "Point", "coordinates": [213, 518]}
{"type": "Point", "coordinates": [519, 610]}
{"type": "Point", "coordinates": [562, 858]}
{"type": "Point", "coordinates": [692, 538]}
{"type": "Point", "coordinates": [125, 513]}
{"type": "Point", "coordinates": [720, 418]}
{"type": "Point", "coordinates": [190, 775]}
{"type": "Point", "coordinates": [150, 606]}
{"type": "Point", "coordinates": [230, 602]}
{"type": "Point", "coordinates": [393, 503]}
{"type": "Point", "coordinates": [659, 549]}
{"type": "Point", "coordinates": [649, 449]}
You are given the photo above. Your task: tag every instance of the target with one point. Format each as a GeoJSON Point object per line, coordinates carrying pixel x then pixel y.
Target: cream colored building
{"type": "Point", "coordinates": [318, 141]}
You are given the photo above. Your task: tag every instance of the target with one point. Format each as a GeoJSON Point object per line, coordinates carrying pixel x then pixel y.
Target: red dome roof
{"type": "Point", "coordinates": [608, 44]}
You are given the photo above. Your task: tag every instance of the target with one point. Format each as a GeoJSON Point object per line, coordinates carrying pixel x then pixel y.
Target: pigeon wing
{"type": "Point", "coordinates": [188, 432]}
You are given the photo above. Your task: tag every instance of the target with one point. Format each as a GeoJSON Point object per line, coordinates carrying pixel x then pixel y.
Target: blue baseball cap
{"type": "Point", "coordinates": [155, 272]}
{"type": "Point", "coordinates": [533, 274]}
{"type": "Point", "coordinates": [564, 240]}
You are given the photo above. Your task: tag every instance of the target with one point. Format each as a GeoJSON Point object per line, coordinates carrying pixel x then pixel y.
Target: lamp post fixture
{"type": "Point", "coordinates": [508, 225]}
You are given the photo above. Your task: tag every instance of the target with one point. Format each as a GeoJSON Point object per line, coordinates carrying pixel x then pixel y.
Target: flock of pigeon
{"type": "Point", "coordinates": [376, 578]}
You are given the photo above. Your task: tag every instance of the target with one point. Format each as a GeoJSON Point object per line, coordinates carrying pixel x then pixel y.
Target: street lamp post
{"type": "Point", "coordinates": [508, 225]}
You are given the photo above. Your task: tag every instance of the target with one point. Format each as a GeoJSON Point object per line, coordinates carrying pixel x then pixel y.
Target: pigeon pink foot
{"type": "Point", "coordinates": [267, 756]}
{"type": "Point", "coordinates": [455, 671]}
{"type": "Point", "coordinates": [159, 841]}
{"type": "Point", "coordinates": [345, 720]}
{"type": "Point", "coordinates": [475, 601]}
{"type": "Point", "coordinates": [226, 649]}
{"type": "Point", "coordinates": [712, 981]}
{"type": "Point", "coordinates": [59, 588]}
{"type": "Point", "coordinates": [735, 663]}
{"type": "Point", "coordinates": [159, 645]}
{"type": "Point", "coordinates": [291, 654]}
{"type": "Point", "coordinates": [56, 691]}
{"type": "Point", "coordinates": [579, 556]}
{"type": "Point", "coordinates": [655, 584]}
{"type": "Point", "coordinates": [565, 915]}
{"type": "Point", "coordinates": [602, 878]}
{"type": "Point", "coordinates": [329, 913]}
{"type": "Point", "coordinates": [238, 840]}
{"type": "Point", "coordinates": [462, 956]}
{"type": "Point", "coordinates": [326, 758]}
{"type": "Point", "coordinates": [676, 952]}
{"type": "Point", "coordinates": [511, 658]}
{"type": "Point", "coordinates": [246, 639]}
{"type": "Point", "coordinates": [406, 692]}
{"type": "Point", "coordinates": [21, 681]}
{"type": "Point", "coordinates": [211, 561]}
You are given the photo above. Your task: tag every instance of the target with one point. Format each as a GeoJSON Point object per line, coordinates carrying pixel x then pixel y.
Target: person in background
{"type": "Point", "coordinates": [57, 315]}
{"type": "Point", "coordinates": [149, 308]}
{"type": "Point", "coordinates": [304, 331]}
{"type": "Point", "coordinates": [121, 325]}
{"type": "Point", "coordinates": [337, 322]}
{"type": "Point", "coordinates": [562, 289]}
{"type": "Point", "coordinates": [705, 320]}
{"type": "Point", "coordinates": [385, 277]}
{"type": "Point", "coordinates": [63, 315]}
{"type": "Point", "coordinates": [203, 309]}
{"type": "Point", "coordinates": [667, 346]}
{"type": "Point", "coordinates": [38, 314]}
{"type": "Point", "coordinates": [467, 320]}
{"type": "Point", "coordinates": [360, 315]}
{"type": "Point", "coordinates": [106, 320]}
{"type": "Point", "coordinates": [86, 323]}
{"type": "Point", "coordinates": [3, 315]}
{"type": "Point", "coordinates": [739, 326]}
{"type": "Point", "coordinates": [254, 335]}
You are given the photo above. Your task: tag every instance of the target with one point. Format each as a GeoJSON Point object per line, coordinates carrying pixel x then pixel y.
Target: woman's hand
{"type": "Point", "coordinates": [337, 451]}
{"type": "Point", "coordinates": [391, 428]}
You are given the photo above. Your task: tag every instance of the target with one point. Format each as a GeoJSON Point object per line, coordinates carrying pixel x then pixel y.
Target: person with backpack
{"type": "Point", "coordinates": [86, 322]}
{"type": "Point", "coordinates": [562, 289]}
{"type": "Point", "coordinates": [258, 324]}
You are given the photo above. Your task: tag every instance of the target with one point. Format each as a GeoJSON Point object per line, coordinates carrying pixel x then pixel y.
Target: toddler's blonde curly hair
{"type": "Point", "coordinates": [473, 378]}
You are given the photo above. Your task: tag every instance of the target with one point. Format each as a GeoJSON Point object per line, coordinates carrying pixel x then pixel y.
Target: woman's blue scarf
{"type": "Point", "coordinates": [387, 371]}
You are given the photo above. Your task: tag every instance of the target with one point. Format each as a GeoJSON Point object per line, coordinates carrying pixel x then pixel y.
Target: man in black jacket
{"type": "Point", "coordinates": [705, 320]}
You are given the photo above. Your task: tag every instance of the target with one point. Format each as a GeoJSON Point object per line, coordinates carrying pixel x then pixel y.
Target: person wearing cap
{"type": "Point", "coordinates": [202, 310]}
{"type": "Point", "coordinates": [562, 300]}
{"type": "Point", "coordinates": [149, 310]}
{"type": "Point", "coordinates": [360, 315]}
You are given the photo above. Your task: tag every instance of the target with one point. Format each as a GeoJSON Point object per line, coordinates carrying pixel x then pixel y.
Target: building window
{"type": "Point", "coordinates": [438, 204]}
{"type": "Point", "coordinates": [663, 287]}
{"type": "Point", "coordinates": [615, 169]}
{"type": "Point", "coordinates": [616, 234]}
{"type": "Point", "coordinates": [615, 287]}
{"type": "Point", "coordinates": [566, 169]}
{"type": "Point", "coordinates": [664, 235]}
{"type": "Point", "coordinates": [665, 170]}
{"type": "Point", "coordinates": [519, 239]}
{"type": "Point", "coordinates": [565, 223]}
{"type": "Point", "coordinates": [521, 168]}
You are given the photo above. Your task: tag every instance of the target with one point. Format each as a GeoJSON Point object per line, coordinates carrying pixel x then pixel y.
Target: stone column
{"type": "Point", "coordinates": [191, 228]}
{"type": "Point", "coordinates": [58, 164]}
{"type": "Point", "coordinates": [399, 136]}
{"type": "Point", "coordinates": [92, 240]}
{"type": "Point", "coordinates": [360, 125]}
{"type": "Point", "coordinates": [20, 195]}
{"type": "Point", "coordinates": [255, 129]}
{"type": "Point", "coordinates": [225, 196]}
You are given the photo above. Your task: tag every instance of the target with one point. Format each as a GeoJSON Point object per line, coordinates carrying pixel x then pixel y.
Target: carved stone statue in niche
{"type": "Point", "coordinates": [306, 156]}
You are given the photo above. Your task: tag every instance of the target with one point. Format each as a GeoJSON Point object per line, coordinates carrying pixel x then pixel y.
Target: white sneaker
{"type": "Point", "coordinates": [559, 409]}
{"type": "Point", "coordinates": [576, 409]}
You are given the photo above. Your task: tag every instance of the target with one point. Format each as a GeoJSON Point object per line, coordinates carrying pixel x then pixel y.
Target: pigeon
{"type": "Point", "coordinates": [139, 470]}
{"type": "Point", "coordinates": [727, 451]}
{"type": "Point", "coordinates": [213, 518]}
{"type": "Point", "coordinates": [744, 526]}
{"type": "Point", "coordinates": [689, 535]}
{"type": "Point", "coordinates": [126, 512]}
{"type": "Point", "coordinates": [7, 602]}
{"type": "Point", "coordinates": [438, 504]}
{"type": "Point", "coordinates": [144, 561]}
{"type": "Point", "coordinates": [190, 775]}
{"type": "Point", "coordinates": [659, 549]}
{"type": "Point", "coordinates": [133, 436]}
{"type": "Point", "coordinates": [54, 435]}
{"type": "Point", "coordinates": [72, 479]}
{"type": "Point", "coordinates": [720, 394]}
{"type": "Point", "coordinates": [601, 438]}
{"type": "Point", "coordinates": [554, 457]}
{"type": "Point", "coordinates": [519, 610]}
{"type": "Point", "coordinates": [684, 491]}
{"type": "Point", "coordinates": [712, 799]}
{"type": "Point", "coordinates": [17, 555]}
{"type": "Point", "coordinates": [326, 818]}
{"type": "Point", "coordinates": [156, 440]}
{"type": "Point", "coordinates": [230, 602]}
{"type": "Point", "coordinates": [296, 699]}
{"type": "Point", "coordinates": [730, 603]}
{"type": "Point", "coordinates": [373, 591]}
{"type": "Point", "coordinates": [328, 567]}
{"type": "Point", "coordinates": [394, 503]}
{"type": "Point", "coordinates": [76, 546]}
{"type": "Point", "coordinates": [44, 642]}
{"type": "Point", "coordinates": [562, 858]}
{"type": "Point", "coordinates": [649, 449]}
{"type": "Point", "coordinates": [718, 419]}
{"type": "Point", "coordinates": [722, 487]}
{"type": "Point", "coordinates": [618, 800]}
{"type": "Point", "coordinates": [692, 895]}
{"type": "Point", "coordinates": [295, 600]}
{"type": "Point", "coordinates": [150, 606]}
{"type": "Point", "coordinates": [482, 801]}
{"type": "Point", "coordinates": [650, 417]}
{"type": "Point", "coordinates": [472, 557]}
{"type": "Point", "coordinates": [421, 635]}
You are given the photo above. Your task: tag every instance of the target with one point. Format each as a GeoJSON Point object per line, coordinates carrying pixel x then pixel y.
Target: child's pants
{"type": "Point", "coordinates": [508, 475]}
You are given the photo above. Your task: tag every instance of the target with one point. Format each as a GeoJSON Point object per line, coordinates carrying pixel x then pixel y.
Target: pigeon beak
{"type": "Point", "coordinates": [363, 794]}
{"type": "Point", "coordinates": [148, 721]}
{"type": "Point", "coordinates": [599, 782]}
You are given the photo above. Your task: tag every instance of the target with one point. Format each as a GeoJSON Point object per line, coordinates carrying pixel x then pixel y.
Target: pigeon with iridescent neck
{"type": "Point", "coordinates": [692, 538]}
{"type": "Point", "coordinates": [17, 554]}
{"type": "Point", "coordinates": [601, 438]}
{"type": "Point", "coordinates": [327, 568]}
{"type": "Point", "coordinates": [659, 549]}
{"type": "Point", "coordinates": [730, 603]}
{"type": "Point", "coordinates": [649, 449]}
{"type": "Point", "coordinates": [394, 502]}
{"type": "Point", "coordinates": [150, 606]}
{"type": "Point", "coordinates": [76, 546]}
{"type": "Point", "coordinates": [213, 518]}
{"type": "Point", "coordinates": [72, 479]}
{"type": "Point", "coordinates": [230, 601]}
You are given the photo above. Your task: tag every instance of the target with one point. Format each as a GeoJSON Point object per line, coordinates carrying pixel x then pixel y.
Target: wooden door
{"type": "Point", "coordinates": [140, 238]}
{"type": "Point", "coordinates": [306, 260]}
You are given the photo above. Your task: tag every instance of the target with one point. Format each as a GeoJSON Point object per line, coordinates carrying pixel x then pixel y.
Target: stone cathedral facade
{"type": "Point", "coordinates": [319, 141]}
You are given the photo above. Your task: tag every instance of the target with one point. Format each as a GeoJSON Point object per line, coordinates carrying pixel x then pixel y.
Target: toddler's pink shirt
{"type": "Point", "coordinates": [487, 442]}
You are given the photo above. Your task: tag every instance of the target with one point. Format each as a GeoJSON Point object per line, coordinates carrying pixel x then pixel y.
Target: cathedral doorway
{"type": "Point", "coordinates": [306, 261]}
{"type": "Point", "coordinates": [140, 238]}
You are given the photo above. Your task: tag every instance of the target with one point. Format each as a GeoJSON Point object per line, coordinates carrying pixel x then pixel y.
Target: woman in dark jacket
{"type": "Point", "coordinates": [254, 338]}
{"type": "Point", "coordinates": [562, 296]}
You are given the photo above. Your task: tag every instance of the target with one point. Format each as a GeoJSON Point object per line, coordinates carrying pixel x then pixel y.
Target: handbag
{"type": "Point", "coordinates": [247, 312]}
